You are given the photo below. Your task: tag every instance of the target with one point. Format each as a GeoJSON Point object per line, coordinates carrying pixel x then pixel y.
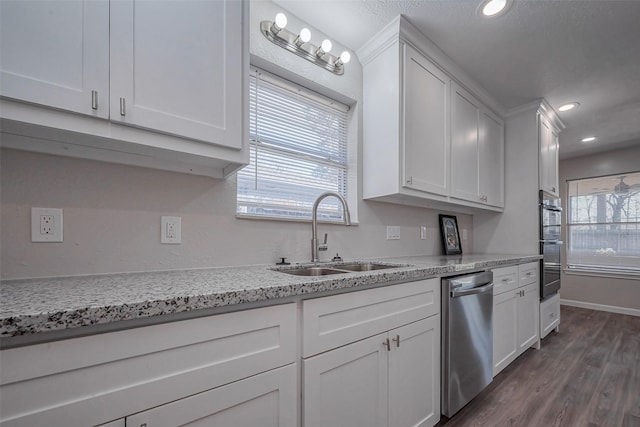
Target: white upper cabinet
{"type": "Point", "coordinates": [174, 73]}
{"type": "Point", "coordinates": [548, 140]}
{"type": "Point", "coordinates": [477, 150]}
{"type": "Point", "coordinates": [56, 53]}
{"type": "Point", "coordinates": [426, 133]}
{"type": "Point", "coordinates": [491, 159]}
{"type": "Point", "coordinates": [175, 68]}
{"type": "Point", "coordinates": [465, 134]}
{"type": "Point", "coordinates": [427, 141]}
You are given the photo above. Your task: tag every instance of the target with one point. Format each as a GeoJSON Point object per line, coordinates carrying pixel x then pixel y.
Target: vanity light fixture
{"type": "Point", "coordinates": [491, 8]}
{"type": "Point", "coordinates": [300, 45]}
{"type": "Point", "coordinates": [588, 139]}
{"type": "Point", "coordinates": [569, 106]}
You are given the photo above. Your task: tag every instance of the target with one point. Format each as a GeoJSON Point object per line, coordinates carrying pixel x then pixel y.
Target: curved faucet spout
{"type": "Point", "coordinates": [314, 221]}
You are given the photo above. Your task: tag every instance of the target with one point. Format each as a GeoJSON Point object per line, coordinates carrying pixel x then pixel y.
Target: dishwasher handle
{"type": "Point", "coordinates": [472, 291]}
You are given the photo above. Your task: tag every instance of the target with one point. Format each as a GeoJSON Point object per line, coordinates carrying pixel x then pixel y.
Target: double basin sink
{"type": "Point", "coordinates": [336, 269]}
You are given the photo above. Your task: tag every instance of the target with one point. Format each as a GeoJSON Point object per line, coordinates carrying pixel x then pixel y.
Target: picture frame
{"type": "Point", "coordinates": [450, 234]}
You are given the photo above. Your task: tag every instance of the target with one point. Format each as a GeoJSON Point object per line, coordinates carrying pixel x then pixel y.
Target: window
{"type": "Point", "coordinates": [603, 224]}
{"type": "Point", "coordinates": [298, 150]}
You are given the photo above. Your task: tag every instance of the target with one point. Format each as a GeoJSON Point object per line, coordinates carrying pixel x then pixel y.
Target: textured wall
{"type": "Point", "coordinates": [591, 289]}
{"type": "Point", "coordinates": [112, 212]}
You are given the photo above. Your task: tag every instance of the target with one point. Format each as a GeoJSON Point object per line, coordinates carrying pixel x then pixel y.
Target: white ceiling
{"type": "Point", "coordinates": [561, 50]}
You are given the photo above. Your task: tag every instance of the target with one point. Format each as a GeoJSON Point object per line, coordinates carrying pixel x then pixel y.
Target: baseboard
{"type": "Point", "coordinates": [601, 307]}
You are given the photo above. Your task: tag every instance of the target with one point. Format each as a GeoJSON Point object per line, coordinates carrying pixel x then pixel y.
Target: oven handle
{"type": "Point", "coordinates": [551, 208]}
{"type": "Point", "coordinates": [552, 242]}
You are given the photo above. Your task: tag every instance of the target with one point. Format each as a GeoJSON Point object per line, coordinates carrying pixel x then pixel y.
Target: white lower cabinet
{"type": "Point", "coordinates": [515, 314]}
{"type": "Point", "coordinates": [381, 375]}
{"type": "Point", "coordinates": [238, 367]}
{"type": "Point", "coordinates": [265, 400]}
{"type": "Point", "coordinates": [390, 379]}
{"type": "Point", "coordinates": [549, 315]}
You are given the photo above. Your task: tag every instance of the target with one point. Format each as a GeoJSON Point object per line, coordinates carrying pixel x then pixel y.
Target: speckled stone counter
{"type": "Point", "coordinates": [34, 306]}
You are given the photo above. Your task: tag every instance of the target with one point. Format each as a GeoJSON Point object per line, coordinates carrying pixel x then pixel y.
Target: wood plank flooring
{"type": "Point", "coordinates": [587, 375]}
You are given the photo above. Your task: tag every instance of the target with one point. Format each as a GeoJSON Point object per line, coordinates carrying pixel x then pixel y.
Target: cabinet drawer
{"type": "Point", "coordinates": [549, 314]}
{"type": "Point", "coordinates": [528, 273]}
{"type": "Point", "coordinates": [338, 320]}
{"type": "Point", "coordinates": [94, 379]}
{"type": "Point", "coordinates": [505, 279]}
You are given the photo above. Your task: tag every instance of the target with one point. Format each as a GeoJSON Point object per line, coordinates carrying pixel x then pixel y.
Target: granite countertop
{"type": "Point", "coordinates": [33, 306]}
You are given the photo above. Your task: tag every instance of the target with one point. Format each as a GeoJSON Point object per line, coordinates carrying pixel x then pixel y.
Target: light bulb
{"type": "Point", "coordinates": [326, 45]}
{"type": "Point", "coordinates": [281, 20]}
{"type": "Point", "coordinates": [303, 37]}
{"type": "Point", "coordinates": [588, 139]}
{"type": "Point", "coordinates": [345, 57]}
{"type": "Point", "coordinates": [567, 107]}
{"type": "Point", "coordinates": [493, 7]}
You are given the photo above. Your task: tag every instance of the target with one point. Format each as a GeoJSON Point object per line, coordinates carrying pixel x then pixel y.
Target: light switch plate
{"type": "Point", "coordinates": [46, 225]}
{"type": "Point", "coordinates": [171, 230]}
{"type": "Point", "coordinates": [423, 232]}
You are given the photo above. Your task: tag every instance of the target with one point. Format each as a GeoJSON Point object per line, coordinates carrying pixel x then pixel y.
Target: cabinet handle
{"type": "Point", "coordinates": [387, 344]}
{"type": "Point", "coordinates": [94, 99]}
{"type": "Point", "coordinates": [397, 340]}
{"type": "Point", "coordinates": [123, 107]}
{"type": "Point", "coordinates": [553, 189]}
{"type": "Point", "coordinates": [410, 180]}
{"type": "Point", "coordinates": [529, 274]}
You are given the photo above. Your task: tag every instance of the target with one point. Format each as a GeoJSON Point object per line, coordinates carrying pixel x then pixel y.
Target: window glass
{"type": "Point", "coordinates": [603, 223]}
{"type": "Point", "coordinates": [298, 150]}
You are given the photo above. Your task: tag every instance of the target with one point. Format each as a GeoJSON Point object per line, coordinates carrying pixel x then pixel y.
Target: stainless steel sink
{"type": "Point", "coordinates": [335, 269]}
{"type": "Point", "coordinates": [365, 266]}
{"type": "Point", "coordinates": [312, 271]}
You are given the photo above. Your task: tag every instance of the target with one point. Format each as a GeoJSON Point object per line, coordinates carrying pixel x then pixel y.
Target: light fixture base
{"type": "Point", "coordinates": [287, 40]}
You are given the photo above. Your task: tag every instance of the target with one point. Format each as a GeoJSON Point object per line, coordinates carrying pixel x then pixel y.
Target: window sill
{"type": "Point", "coordinates": [308, 221]}
{"type": "Point", "coordinates": [625, 275]}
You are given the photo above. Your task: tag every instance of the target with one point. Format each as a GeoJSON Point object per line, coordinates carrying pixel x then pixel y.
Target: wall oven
{"type": "Point", "coordinates": [550, 243]}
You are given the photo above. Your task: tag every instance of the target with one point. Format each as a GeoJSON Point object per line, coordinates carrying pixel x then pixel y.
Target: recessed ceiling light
{"type": "Point", "coordinates": [588, 139]}
{"type": "Point", "coordinates": [569, 106]}
{"type": "Point", "coordinates": [493, 7]}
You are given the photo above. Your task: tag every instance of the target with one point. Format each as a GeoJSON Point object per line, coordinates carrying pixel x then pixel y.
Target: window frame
{"type": "Point", "coordinates": [349, 179]}
{"type": "Point", "coordinates": [598, 270]}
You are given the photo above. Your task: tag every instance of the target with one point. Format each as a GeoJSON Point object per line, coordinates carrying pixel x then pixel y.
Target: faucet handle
{"type": "Point", "coordinates": [323, 246]}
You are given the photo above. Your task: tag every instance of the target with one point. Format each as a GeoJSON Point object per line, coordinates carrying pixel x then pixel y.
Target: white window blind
{"type": "Point", "coordinates": [603, 224]}
{"type": "Point", "coordinates": [298, 151]}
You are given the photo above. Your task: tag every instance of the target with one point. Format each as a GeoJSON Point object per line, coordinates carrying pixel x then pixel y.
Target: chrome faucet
{"type": "Point", "coordinates": [314, 223]}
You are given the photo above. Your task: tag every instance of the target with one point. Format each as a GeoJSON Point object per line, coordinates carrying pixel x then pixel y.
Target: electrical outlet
{"type": "Point", "coordinates": [393, 232]}
{"type": "Point", "coordinates": [423, 232]}
{"type": "Point", "coordinates": [46, 225]}
{"type": "Point", "coordinates": [171, 230]}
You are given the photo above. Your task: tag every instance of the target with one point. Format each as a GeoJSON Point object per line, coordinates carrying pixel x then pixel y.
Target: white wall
{"type": "Point", "coordinates": [624, 293]}
{"type": "Point", "coordinates": [112, 212]}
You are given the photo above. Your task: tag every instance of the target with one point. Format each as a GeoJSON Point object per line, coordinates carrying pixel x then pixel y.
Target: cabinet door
{"type": "Point", "coordinates": [465, 132]}
{"type": "Point", "coordinates": [347, 386]}
{"type": "Point", "coordinates": [414, 374]}
{"type": "Point", "coordinates": [491, 159]}
{"type": "Point", "coordinates": [528, 311]}
{"type": "Point", "coordinates": [56, 53]}
{"type": "Point", "coordinates": [504, 330]}
{"type": "Point", "coordinates": [266, 400]}
{"type": "Point", "coordinates": [548, 166]}
{"type": "Point", "coordinates": [180, 68]}
{"type": "Point", "coordinates": [426, 136]}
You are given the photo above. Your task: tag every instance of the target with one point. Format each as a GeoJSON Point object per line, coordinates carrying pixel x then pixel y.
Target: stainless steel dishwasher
{"type": "Point", "coordinates": [467, 339]}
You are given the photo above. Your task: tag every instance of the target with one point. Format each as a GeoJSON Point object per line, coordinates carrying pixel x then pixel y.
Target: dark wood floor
{"type": "Point", "coordinates": [587, 375]}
